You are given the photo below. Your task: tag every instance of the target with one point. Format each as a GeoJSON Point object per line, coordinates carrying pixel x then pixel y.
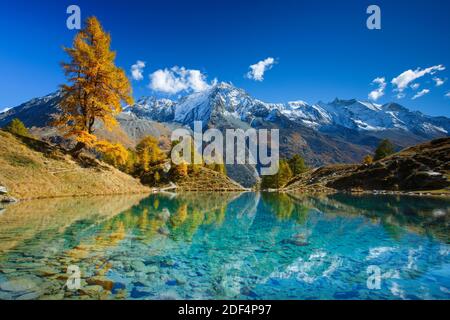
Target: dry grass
{"type": "Point", "coordinates": [208, 180]}
{"type": "Point", "coordinates": [31, 169]}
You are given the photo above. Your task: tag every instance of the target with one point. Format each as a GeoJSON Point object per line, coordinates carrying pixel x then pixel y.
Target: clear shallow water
{"type": "Point", "coordinates": [216, 246]}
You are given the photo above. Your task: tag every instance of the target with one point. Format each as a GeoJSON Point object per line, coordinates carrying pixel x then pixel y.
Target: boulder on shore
{"type": "Point", "coordinates": [7, 199]}
{"type": "Point", "coordinates": [3, 190]}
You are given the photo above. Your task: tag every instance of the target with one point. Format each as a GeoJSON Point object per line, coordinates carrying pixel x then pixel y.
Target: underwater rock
{"type": "Point", "coordinates": [7, 271]}
{"type": "Point", "coordinates": [295, 242]}
{"type": "Point", "coordinates": [140, 292]}
{"type": "Point", "coordinates": [47, 271]}
{"type": "Point", "coordinates": [180, 280]}
{"type": "Point", "coordinates": [29, 296]}
{"type": "Point", "coordinates": [121, 294]}
{"type": "Point", "coordinates": [24, 284]}
{"type": "Point", "coordinates": [168, 263]}
{"type": "Point", "coordinates": [138, 265]}
{"type": "Point", "coordinates": [151, 269]}
{"type": "Point", "coordinates": [5, 296]}
{"type": "Point", "coordinates": [169, 295]}
{"type": "Point", "coordinates": [57, 296]}
{"type": "Point", "coordinates": [106, 283]}
{"type": "Point", "coordinates": [246, 291]}
{"type": "Point", "coordinates": [92, 290]}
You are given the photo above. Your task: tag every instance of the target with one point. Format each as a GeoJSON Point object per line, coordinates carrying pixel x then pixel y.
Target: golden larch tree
{"type": "Point", "coordinates": [96, 89]}
{"type": "Point", "coordinates": [149, 153]}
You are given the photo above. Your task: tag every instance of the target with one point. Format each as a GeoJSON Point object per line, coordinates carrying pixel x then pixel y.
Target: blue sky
{"type": "Point", "coordinates": [321, 49]}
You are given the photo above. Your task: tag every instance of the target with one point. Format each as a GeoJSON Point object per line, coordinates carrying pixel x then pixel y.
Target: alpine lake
{"type": "Point", "coordinates": [226, 246]}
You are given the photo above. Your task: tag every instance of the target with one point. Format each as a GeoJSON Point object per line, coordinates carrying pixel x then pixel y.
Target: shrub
{"type": "Point", "coordinates": [297, 165]}
{"type": "Point", "coordinates": [368, 159]}
{"type": "Point", "coordinates": [17, 127]}
{"type": "Point", "coordinates": [384, 149]}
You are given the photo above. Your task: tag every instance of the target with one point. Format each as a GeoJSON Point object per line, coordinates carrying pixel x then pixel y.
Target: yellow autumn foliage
{"type": "Point", "coordinates": [113, 153]}
{"type": "Point", "coordinates": [148, 153]}
{"type": "Point", "coordinates": [96, 88]}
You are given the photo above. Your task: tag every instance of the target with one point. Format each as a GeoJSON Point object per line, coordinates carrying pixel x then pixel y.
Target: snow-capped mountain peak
{"type": "Point", "coordinates": [224, 98]}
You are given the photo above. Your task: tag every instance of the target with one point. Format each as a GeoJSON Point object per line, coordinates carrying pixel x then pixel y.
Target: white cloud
{"type": "Point", "coordinates": [439, 82]}
{"type": "Point", "coordinates": [379, 92]}
{"type": "Point", "coordinates": [447, 94]}
{"type": "Point", "coordinates": [415, 86]}
{"type": "Point", "coordinates": [420, 94]}
{"type": "Point", "coordinates": [178, 79]}
{"type": "Point", "coordinates": [404, 79]}
{"type": "Point", "coordinates": [197, 81]}
{"type": "Point", "coordinates": [137, 69]}
{"type": "Point", "coordinates": [257, 70]}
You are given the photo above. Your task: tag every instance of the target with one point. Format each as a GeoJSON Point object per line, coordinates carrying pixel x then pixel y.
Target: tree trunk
{"type": "Point", "coordinates": [77, 149]}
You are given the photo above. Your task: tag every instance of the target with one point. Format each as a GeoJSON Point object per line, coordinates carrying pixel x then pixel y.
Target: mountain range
{"type": "Point", "coordinates": [341, 131]}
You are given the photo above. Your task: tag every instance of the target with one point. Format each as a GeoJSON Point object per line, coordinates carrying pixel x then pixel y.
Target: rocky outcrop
{"type": "Point", "coordinates": [425, 167]}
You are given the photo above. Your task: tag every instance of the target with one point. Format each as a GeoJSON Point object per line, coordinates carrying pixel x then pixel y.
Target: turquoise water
{"type": "Point", "coordinates": [227, 246]}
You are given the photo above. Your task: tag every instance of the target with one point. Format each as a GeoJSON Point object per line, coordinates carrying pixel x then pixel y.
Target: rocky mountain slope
{"type": "Point", "coordinates": [37, 115]}
{"type": "Point", "coordinates": [235, 103]}
{"type": "Point", "coordinates": [343, 131]}
{"type": "Point", "coordinates": [425, 167]}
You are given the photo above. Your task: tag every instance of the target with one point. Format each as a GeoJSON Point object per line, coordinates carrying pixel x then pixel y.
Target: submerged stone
{"type": "Point", "coordinates": [57, 296]}
{"type": "Point", "coordinates": [295, 242]}
{"type": "Point", "coordinates": [138, 265]}
{"type": "Point", "coordinates": [151, 269]}
{"type": "Point", "coordinates": [102, 281]}
{"type": "Point", "coordinates": [92, 290]}
{"type": "Point", "coordinates": [29, 296]}
{"type": "Point", "coordinates": [47, 271]}
{"type": "Point", "coordinates": [20, 285]}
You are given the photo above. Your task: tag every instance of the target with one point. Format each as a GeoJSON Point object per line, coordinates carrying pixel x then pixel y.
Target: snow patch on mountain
{"type": "Point", "coordinates": [225, 99]}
